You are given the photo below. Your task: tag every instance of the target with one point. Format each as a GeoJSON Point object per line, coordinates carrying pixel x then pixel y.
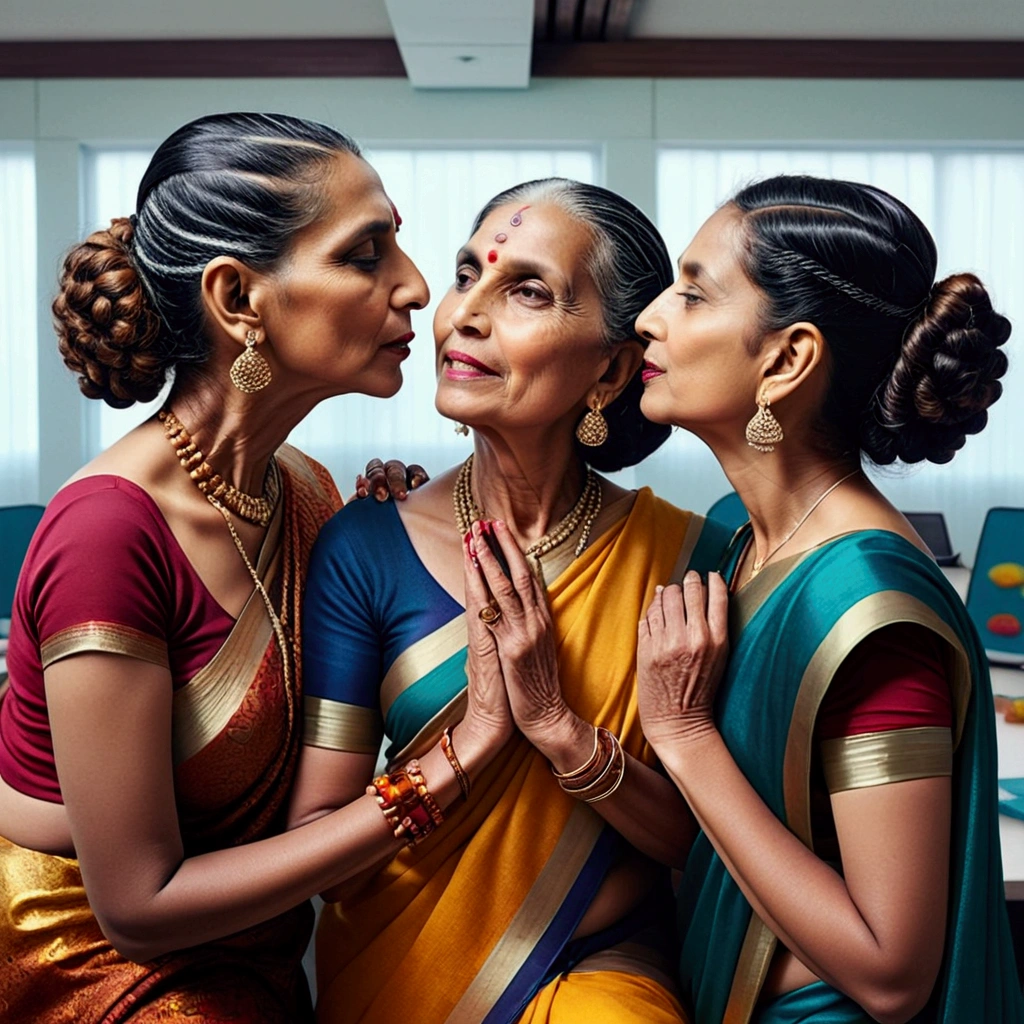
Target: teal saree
{"type": "Point", "coordinates": [791, 628]}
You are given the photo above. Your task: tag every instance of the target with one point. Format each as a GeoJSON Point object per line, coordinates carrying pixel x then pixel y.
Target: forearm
{"type": "Point", "coordinates": [212, 895]}
{"type": "Point", "coordinates": [646, 808]}
{"type": "Point", "coordinates": [803, 901]}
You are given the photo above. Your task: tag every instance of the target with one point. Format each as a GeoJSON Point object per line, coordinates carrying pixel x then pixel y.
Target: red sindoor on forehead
{"type": "Point", "coordinates": [492, 256]}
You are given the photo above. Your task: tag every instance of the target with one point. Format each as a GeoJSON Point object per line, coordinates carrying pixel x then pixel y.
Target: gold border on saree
{"type": "Point", "coordinates": [879, 758]}
{"type": "Point", "coordinates": [104, 638]}
{"type": "Point", "coordinates": [335, 725]}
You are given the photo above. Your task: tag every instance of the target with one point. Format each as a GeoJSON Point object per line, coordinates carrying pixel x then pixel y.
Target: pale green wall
{"type": "Point", "coordinates": [627, 118]}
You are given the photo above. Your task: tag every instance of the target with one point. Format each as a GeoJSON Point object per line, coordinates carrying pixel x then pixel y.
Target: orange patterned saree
{"type": "Point", "coordinates": [236, 733]}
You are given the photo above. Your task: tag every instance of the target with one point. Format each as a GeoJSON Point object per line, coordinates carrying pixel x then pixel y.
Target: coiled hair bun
{"type": "Point", "coordinates": [914, 363]}
{"type": "Point", "coordinates": [130, 307]}
{"type": "Point", "coordinates": [945, 378]}
{"type": "Point", "coordinates": [108, 332]}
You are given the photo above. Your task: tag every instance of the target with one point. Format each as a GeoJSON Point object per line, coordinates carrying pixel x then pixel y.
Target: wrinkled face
{"type": "Point", "coordinates": [340, 303]}
{"type": "Point", "coordinates": [699, 372]}
{"type": "Point", "coordinates": [519, 333]}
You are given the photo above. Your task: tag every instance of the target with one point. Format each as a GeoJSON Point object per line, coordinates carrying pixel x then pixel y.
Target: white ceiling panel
{"type": "Point", "coordinates": [467, 67]}
{"type": "Point", "coordinates": [448, 44]}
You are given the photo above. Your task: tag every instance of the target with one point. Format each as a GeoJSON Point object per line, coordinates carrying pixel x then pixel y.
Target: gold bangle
{"type": "Point", "coordinates": [585, 781]}
{"type": "Point", "coordinates": [449, 752]}
{"type": "Point", "coordinates": [615, 785]}
{"type": "Point", "coordinates": [583, 768]}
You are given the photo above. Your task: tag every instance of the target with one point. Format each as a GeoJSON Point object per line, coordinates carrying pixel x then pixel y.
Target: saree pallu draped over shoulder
{"type": "Point", "coordinates": [791, 629]}
{"type": "Point", "coordinates": [464, 927]}
{"type": "Point", "coordinates": [235, 741]}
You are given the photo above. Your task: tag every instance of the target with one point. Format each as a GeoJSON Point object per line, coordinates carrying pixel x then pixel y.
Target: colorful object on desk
{"type": "Point", "coordinates": [1007, 575]}
{"type": "Point", "coordinates": [1012, 806]}
{"type": "Point", "coordinates": [1011, 708]}
{"type": "Point", "coordinates": [1003, 624]}
{"type": "Point", "coordinates": [995, 608]}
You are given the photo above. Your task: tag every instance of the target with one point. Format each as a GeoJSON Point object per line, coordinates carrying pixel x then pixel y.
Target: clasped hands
{"type": "Point", "coordinates": [511, 663]}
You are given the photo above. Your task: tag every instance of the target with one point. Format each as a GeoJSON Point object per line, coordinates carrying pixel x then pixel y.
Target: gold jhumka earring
{"type": "Point", "coordinates": [250, 372]}
{"type": "Point", "coordinates": [592, 430]}
{"type": "Point", "coordinates": [764, 431]}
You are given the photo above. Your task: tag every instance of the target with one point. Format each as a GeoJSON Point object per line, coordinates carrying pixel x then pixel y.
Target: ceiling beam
{"type": "Point", "coordinates": [592, 22]}
{"type": "Point", "coordinates": [617, 22]}
{"type": "Point", "coordinates": [642, 58]}
{"type": "Point", "coordinates": [202, 58]}
{"type": "Point", "coordinates": [780, 58]}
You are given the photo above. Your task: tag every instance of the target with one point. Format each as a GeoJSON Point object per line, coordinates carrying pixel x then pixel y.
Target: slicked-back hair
{"type": "Point", "coordinates": [630, 266]}
{"type": "Point", "coordinates": [914, 363]}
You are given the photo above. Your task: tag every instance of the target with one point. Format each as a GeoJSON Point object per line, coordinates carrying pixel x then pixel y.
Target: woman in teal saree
{"type": "Point", "coordinates": [841, 764]}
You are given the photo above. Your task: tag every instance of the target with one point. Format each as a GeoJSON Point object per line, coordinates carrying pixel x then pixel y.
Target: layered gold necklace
{"type": "Point", "coordinates": [580, 517]}
{"type": "Point", "coordinates": [223, 496]}
{"type": "Point", "coordinates": [255, 510]}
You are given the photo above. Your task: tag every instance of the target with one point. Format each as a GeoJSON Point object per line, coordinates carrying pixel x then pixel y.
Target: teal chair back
{"type": "Point", "coordinates": [995, 598]}
{"type": "Point", "coordinates": [17, 524]}
{"type": "Point", "coordinates": [729, 511]}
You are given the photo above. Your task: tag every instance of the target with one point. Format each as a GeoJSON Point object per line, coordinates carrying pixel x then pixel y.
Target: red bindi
{"type": "Point", "coordinates": [492, 256]}
{"type": "Point", "coordinates": [396, 215]}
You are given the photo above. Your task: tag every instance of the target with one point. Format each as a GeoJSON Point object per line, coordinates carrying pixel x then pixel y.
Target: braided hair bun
{"type": "Point", "coordinates": [914, 363]}
{"type": "Point", "coordinates": [945, 378]}
{"type": "Point", "coordinates": [108, 332]}
{"type": "Point", "coordinates": [130, 306]}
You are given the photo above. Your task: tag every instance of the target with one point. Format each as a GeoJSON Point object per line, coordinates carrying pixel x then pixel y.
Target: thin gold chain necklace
{"type": "Point", "coordinates": [173, 435]}
{"type": "Point", "coordinates": [581, 515]}
{"type": "Point", "coordinates": [760, 562]}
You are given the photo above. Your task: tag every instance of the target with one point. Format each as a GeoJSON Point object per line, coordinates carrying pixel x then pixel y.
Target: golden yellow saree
{"type": "Point", "coordinates": [465, 927]}
{"type": "Point", "coordinates": [235, 740]}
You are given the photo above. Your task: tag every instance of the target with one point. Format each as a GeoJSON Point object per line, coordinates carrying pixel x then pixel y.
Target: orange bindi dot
{"type": "Point", "coordinates": [492, 256]}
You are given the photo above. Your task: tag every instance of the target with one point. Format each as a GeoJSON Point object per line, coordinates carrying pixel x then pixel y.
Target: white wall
{"type": "Point", "coordinates": [628, 118]}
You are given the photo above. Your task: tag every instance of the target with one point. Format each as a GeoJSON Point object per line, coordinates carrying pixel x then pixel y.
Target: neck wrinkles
{"type": "Point", "coordinates": [530, 487]}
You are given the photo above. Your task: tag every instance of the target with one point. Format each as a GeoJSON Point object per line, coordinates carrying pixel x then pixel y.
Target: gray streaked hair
{"type": "Point", "coordinates": [235, 184]}
{"type": "Point", "coordinates": [628, 261]}
{"type": "Point", "coordinates": [630, 267]}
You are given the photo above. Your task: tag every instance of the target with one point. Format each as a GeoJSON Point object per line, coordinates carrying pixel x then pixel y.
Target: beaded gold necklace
{"type": "Point", "coordinates": [188, 454]}
{"type": "Point", "coordinates": [580, 517]}
{"type": "Point", "coordinates": [246, 506]}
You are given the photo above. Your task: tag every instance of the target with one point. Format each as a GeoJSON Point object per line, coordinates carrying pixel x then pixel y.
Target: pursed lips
{"type": "Point", "coordinates": [650, 371]}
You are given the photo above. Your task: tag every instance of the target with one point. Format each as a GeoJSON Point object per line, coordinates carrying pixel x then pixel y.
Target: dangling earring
{"type": "Point", "coordinates": [592, 430]}
{"type": "Point", "coordinates": [764, 431]}
{"type": "Point", "coordinates": [250, 372]}
{"type": "Point", "coordinates": [461, 428]}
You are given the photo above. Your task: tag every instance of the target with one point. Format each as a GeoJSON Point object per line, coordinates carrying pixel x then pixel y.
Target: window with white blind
{"type": "Point", "coordinates": [19, 430]}
{"type": "Point", "coordinates": [438, 192]}
{"type": "Point", "coordinates": [973, 203]}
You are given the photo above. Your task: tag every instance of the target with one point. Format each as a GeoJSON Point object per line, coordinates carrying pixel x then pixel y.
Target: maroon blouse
{"type": "Point", "coordinates": [103, 572]}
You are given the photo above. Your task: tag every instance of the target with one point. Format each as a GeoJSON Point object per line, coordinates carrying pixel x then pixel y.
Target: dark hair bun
{"type": "Point", "coordinates": [945, 378]}
{"type": "Point", "coordinates": [108, 331]}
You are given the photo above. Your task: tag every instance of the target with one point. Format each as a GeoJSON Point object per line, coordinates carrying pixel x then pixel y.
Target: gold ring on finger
{"type": "Point", "coordinates": [490, 614]}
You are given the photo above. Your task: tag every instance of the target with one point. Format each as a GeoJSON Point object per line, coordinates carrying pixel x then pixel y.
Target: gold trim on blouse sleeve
{"type": "Point", "coordinates": [878, 758]}
{"type": "Point", "coordinates": [338, 726]}
{"type": "Point", "coordinates": [104, 638]}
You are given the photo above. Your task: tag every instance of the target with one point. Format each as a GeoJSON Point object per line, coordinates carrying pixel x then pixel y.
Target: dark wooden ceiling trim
{"type": "Point", "coordinates": [617, 21]}
{"type": "Point", "coordinates": [643, 58]}
{"type": "Point", "coordinates": [565, 18]}
{"type": "Point", "coordinates": [780, 58]}
{"type": "Point", "coordinates": [202, 58]}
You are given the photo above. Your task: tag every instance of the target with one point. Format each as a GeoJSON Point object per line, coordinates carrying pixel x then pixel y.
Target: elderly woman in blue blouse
{"type": "Point", "coordinates": [536, 896]}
